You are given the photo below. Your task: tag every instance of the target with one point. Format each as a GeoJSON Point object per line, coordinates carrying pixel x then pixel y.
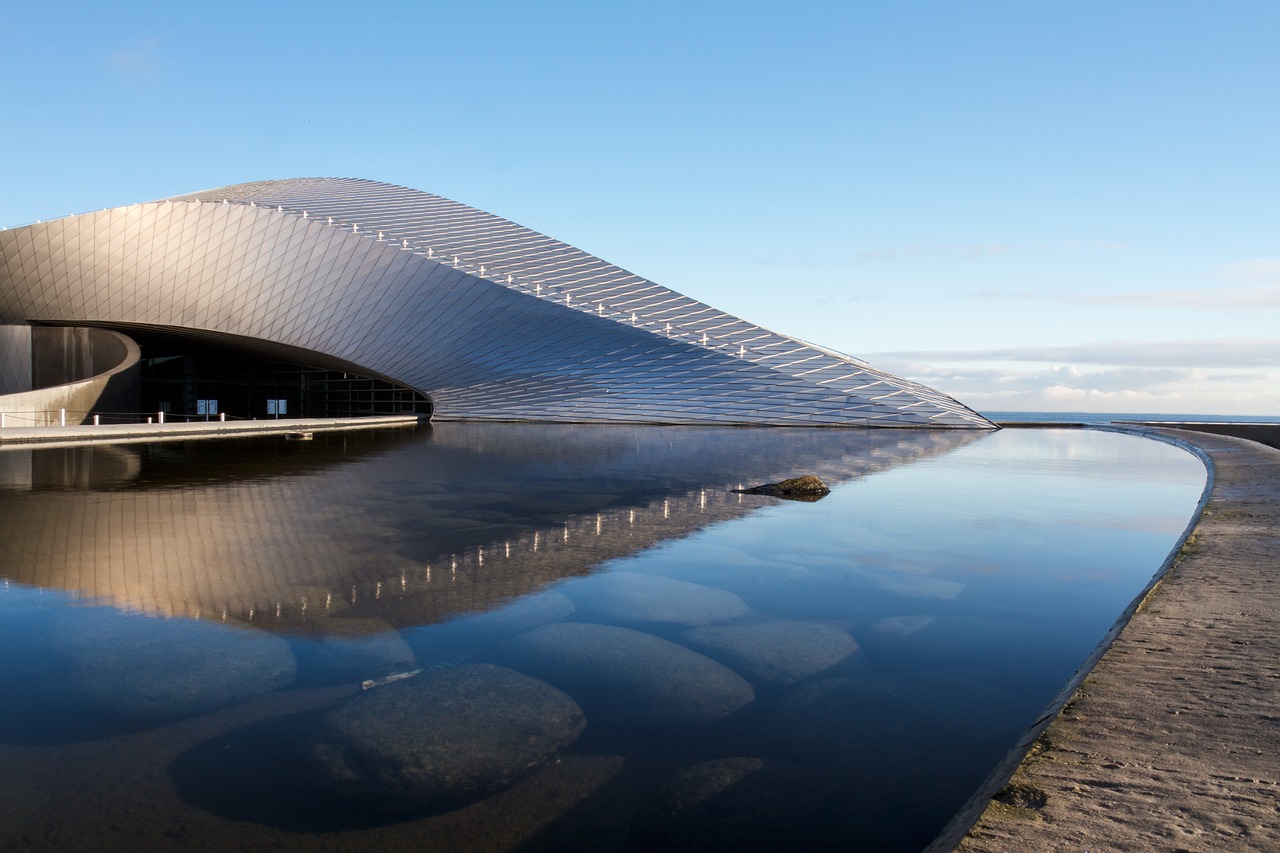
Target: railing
{"type": "Point", "coordinates": [72, 417]}
{"type": "Point", "coordinates": [552, 293]}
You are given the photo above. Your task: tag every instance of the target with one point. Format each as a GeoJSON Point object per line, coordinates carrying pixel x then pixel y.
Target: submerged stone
{"type": "Point", "coordinates": [902, 626]}
{"type": "Point", "coordinates": [152, 668]}
{"type": "Point", "coordinates": [629, 597]}
{"type": "Point", "coordinates": [753, 804]}
{"type": "Point", "coordinates": [884, 727]}
{"type": "Point", "coordinates": [628, 677]}
{"type": "Point", "coordinates": [777, 652]}
{"type": "Point", "coordinates": [444, 738]}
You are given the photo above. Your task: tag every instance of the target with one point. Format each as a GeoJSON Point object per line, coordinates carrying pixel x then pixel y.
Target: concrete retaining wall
{"type": "Point", "coordinates": [78, 370]}
{"type": "Point", "coordinates": [15, 359]}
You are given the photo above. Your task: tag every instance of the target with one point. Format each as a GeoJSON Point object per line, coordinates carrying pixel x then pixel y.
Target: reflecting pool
{"type": "Point", "coordinates": [537, 637]}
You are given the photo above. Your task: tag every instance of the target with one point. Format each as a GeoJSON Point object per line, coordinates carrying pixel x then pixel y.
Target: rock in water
{"type": "Point", "coordinates": [753, 804]}
{"type": "Point", "coordinates": [914, 736]}
{"type": "Point", "coordinates": [146, 669]}
{"type": "Point", "coordinates": [778, 652]}
{"type": "Point", "coordinates": [444, 738]}
{"type": "Point", "coordinates": [629, 597]}
{"type": "Point", "coordinates": [803, 488]}
{"type": "Point", "coordinates": [630, 678]}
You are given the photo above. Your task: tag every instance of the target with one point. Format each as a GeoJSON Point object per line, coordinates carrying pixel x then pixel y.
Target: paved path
{"type": "Point", "coordinates": [46, 435]}
{"type": "Point", "coordinates": [1172, 743]}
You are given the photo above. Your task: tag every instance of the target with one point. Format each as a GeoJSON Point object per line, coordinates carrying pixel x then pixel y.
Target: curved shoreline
{"type": "Point", "coordinates": [1168, 741]}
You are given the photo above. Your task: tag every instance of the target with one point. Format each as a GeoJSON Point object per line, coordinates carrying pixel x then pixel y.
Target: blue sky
{"type": "Point", "coordinates": [1029, 205]}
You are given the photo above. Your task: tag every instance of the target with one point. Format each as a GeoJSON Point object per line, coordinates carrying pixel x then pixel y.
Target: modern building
{"type": "Point", "coordinates": [335, 296]}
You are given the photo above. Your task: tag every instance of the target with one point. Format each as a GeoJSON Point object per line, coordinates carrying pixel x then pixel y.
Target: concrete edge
{"type": "Point", "coordinates": [134, 433]}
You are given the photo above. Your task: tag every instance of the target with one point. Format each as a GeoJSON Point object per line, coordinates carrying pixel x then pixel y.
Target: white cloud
{"type": "Point", "coordinates": [975, 251]}
{"type": "Point", "coordinates": [1222, 352]}
{"type": "Point", "coordinates": [1254, 269]}
{"type": "Point", "coordinates": [140, 59]}
{"type": "Point", "coordinates": [961, 380]}
{"type": "Point", "coordinates": [938, 252]}
{"type": "Point", "coordinates": [1177, 377]}
{"type": "Point", "coordinates": [1254, 298]}
{"type": "Point", "coordinates": [1229, 400]}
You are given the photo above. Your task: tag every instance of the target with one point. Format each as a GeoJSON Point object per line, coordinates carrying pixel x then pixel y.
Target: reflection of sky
{"type": "Point", "coordinates": [1023, 546]}
{"type": "Point", "coordinates": [959, 579]}
{"type": "Point", "coordinates": [407, 531]}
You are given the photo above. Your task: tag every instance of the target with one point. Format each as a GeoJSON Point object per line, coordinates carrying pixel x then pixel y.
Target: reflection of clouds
{"type": "Point", "coordinates": [456, 521]}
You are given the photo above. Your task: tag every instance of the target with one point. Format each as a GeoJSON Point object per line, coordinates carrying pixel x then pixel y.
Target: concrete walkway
{"type": "Point", "coordinates": [116, 433]}
{"type": "Point", "coordinates": [1172, 742]}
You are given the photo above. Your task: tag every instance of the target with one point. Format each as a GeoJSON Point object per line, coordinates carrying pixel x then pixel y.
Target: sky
{"type": "Point", "coordinates": [1031, 206]}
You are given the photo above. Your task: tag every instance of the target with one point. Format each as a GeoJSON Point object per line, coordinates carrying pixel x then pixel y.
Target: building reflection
{"type": "Point", "coordinates": [356, 532]}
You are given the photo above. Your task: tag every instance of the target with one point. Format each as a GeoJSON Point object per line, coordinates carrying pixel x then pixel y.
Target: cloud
{"type": "Point", "coordinates": [1255, 286]}
{"type": "Point", "coordinates": [870, 296]}
{"type": "Point", "coordinates": [936, 252]}
{"type": "Point", "coordinates": [140, 59]}
{"type": "Point", "coordinates": [1067, 377]}
{"type": "Point", "coordinates": [1262, 297]}
{"type": "Point", "coordinates": [1065, 386]}
{"type": "Point", "coordinates": [1229, 352]}
{"type": "Point", "coordinates": [976, 251]}
{"type": "Point", "coordinates": [1254, 269]}
{"type": "Point", "coordinates": [1005, 295]}
{"type": "Point", "coordinates": [1257, 297]}
{"type": "Point", "coordinates": [1122, 379]}
{"type": "Point", "coordinates": [1196, 399]}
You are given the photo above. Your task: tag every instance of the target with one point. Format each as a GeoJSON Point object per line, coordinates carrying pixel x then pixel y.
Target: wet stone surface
{"type": "Point", "coordinates": [774, 653]}
{"type": "Point", "coordinates": [442, 739]}
{"type": "Point", "coordinates": [149, 669]}
{"type": "Point", "coordinates": [628, 597]}
{"type": "Point", "coordinates": [628, 677]}
{"type": "Point", "coordinates": [885, 727]}
{"type": "Point", "coordinates": [753, 804]}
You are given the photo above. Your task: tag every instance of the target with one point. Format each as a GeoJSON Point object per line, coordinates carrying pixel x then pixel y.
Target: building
{"type": "Point", "coordinates": [334, 296]}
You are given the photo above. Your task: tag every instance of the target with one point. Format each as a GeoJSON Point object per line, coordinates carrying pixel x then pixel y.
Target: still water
{"type": "Point", "coordinates": [535, 637]}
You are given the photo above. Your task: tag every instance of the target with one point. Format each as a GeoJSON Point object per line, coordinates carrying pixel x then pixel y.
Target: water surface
{"type": "Point", "coordinates": [184, 622]}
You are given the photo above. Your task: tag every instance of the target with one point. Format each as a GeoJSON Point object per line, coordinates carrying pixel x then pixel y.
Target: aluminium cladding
{"type": "Point", "coordinates": [488, 319]}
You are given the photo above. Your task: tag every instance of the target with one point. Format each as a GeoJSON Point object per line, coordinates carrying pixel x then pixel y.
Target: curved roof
{"type": "Point", "coordinates": [489, 319]}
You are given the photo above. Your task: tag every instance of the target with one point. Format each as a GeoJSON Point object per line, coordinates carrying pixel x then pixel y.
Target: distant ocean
{"type": "Point", "coordinates": [1112, 417]}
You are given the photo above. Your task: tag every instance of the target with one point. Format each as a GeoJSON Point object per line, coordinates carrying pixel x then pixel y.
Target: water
{"type": "Point", "coordinates": [613, 649]}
